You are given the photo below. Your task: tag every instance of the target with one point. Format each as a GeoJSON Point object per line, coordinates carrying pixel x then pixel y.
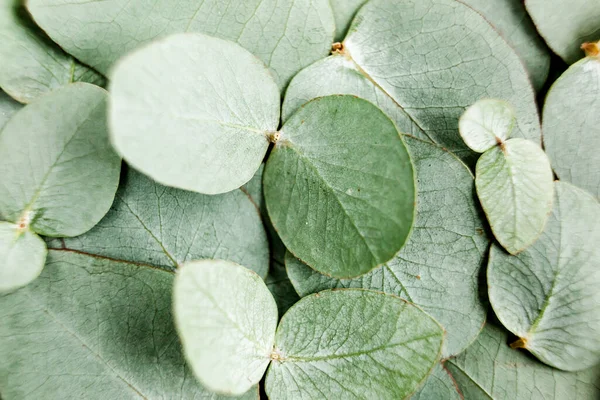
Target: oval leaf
{"type": "Point", "coordinates": [226, 318]}
{"type": "Point", "coordinates": [59, 172]}
{"type": "Point", "coordinates": [22, 256]}
{"type": "Point", "coordinates": [352, 344]}
{"type": "Point", "coordinates": [572, 125]}
{"type": "Point", "coordinates": [514, 185]}
{"type": "Point", "coordinates": [548, 295]}
{"type": "Point", "coordinates": [339, 186]}
{"type": "Point", "coordinates": [8, 107]}
{"type": "Point", "coordinates": [200, 118]}
{"type": "Point", "coordinates": [486, 124]}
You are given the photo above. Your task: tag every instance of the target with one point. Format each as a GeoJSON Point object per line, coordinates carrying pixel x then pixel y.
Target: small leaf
{"type": "Point", "coordinates": [548, 295]}
{"type": "Point", "coordinates": [226, 318]}
{"type": "Point", "coordinates": [486, 124]}
{"type": "Point", "coordinates": [514, 185]}
{"type": "Point", "coordinates": [22, 256]}
{"type": "Point", "coordinates": [339, 186]}
{"type": "Point", "coordinates": [352, 344]}
{"type": "Point", "coordinates": [58, 169]}
{"type": "Point", "coordinates": [572, 125]}
{"type": "Point", "coordinates": [200, 118]}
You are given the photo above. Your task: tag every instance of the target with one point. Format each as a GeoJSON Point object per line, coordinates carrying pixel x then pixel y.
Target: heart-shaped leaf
{"type": "Point", "coordinates": [8, 107]}
{"type": "Point", "coordinates": [200, 118]}
{"type": "Point", "coordinates": [59, 172]}
{"type": "Point", "coordinates": [440, 263]}
{"type": "Point", "coordinates": [339, 186]}
{"type": "Point", "coordinates": [32, 64]}
{"type": "Point", "coordinates": [486, 124]}
{"type": "Point", "coordinates": [548, 295]}
{"type": "Point", "coordinates": [572, 125]}
{"type": "Point", "coordinates": [352, 343]}
{"type": "Point", "coordinates": [514, 185]}
{"type": "Point", "coordinates": [287, 35]}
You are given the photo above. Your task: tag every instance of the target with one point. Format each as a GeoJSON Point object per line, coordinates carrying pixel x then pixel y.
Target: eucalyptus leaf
{"type": "Point", "coordinates": [339, 186]}
{"type": "Point", "coordinates": [352, 343]}
{"type": "Point", "coordinates": [439, 385]}
{"type": "Point", "coordinates": [343, 12]}
{"type": "Point", "coordinates": [286, 35]}
{"type": "Point", "coordinates": [566, 24]}
{"type": "Point", "coordinates": [486, 124]}
{"type": "Point", "coordinates": [59, 172]}
{"type": "Point", "coordinates": [8, 107]}
{"type": "Point", "coordinates": [439, 267]}
{"type": "Point", "coordinates": [572, 125]}
{"type": "Point", "coordinates": [548, 295]}
{"type": "Point", "coordinates": [193, 112]}
{"type": "Point", "coordinates": [22, 256]}
{"type": "Point", "coordinates": [514, 185]}
{"type": "Point", "coordinates": [32, 64]}
{"type": "Point", "coordinates": [281, 288]}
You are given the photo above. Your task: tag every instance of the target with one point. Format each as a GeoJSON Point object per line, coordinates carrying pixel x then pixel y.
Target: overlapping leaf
{"type": "Point", "coordinates": [22, 256]}
{"type": "Point", "coordinates": [486, 123]}
{"type": "Point", "coordinates": [343, 12]}
{"type": "Point", "coordinates": [8, 107]}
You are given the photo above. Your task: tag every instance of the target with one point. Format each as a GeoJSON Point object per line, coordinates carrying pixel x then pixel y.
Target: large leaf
{"type": "Point", "coordinates": [200, 118]}
{"type": "Point", "coordinates": [432, 59]}
{"type": "Point", "coordinates": [572, 125]}
{"type": "Point", "coordinates": [343, 12]}
{"type": "Point", "coordinates": [287, 35]}
{"type": "Point", "coordinates": [93, 328]}
{"type": "Point", "coordinates": [438, 268]}
{"type": "Point", "coordinates": [514, 185]}
{"type": "Point", "coordinates": [491, 370]}
{"type": "Point", "coordinates": [226, 319]}
{"type": "Point", "coordinates": [8, 107]}
{"type": "Point", "coordinates": [566, 24]}
{"type": "Point", "coordinates": [58, 169]}
{"type": "Point", "coordinates": [352, 344]}
{"type": "Point", "coordinates": [548, 295]}
{"type": "Point", "coordinates": [339, 186]}
{"type": "Point", "coordinates": [32, 64]}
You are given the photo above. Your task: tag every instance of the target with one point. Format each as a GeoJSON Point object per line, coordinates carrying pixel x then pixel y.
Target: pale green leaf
{"type": "Point", "coordinates": [439, 267]}
{"type": "Point", "coordinates": [515, 188]}
{"type": "Point", "coordinates": [566, 24]}
{"type": "Point", "coordinates": [339, 186]}
{"type": "Point", "coordinates": [92, 328]}
{"type": "Point", "coordinates": [32, 64]}
{"type": "Point", "coordinates": [59, 172]}
{"type": "Point", "coordinates": [286, 35]}
{"type": "Point", "coordinates": [226, 319]}
{"type": "Point", "coordinates": [22, 256]}
{"type": "Point", "coordinates": [343, 12]}
{"type": "Point", "coordinates": [486, 124]}
{"type": "Point", "coordinates": [8, 107]}
{"type": "Point", "coordinates": [199, 118]}
{"type": "Point", "coordinates": [438, 386]}
{"type": "Point", "coordinates": [572, 125]}
{"type": "Point", "coordinates": [348, 344]}
{"type": "Point", "coordinates": [548, 295]}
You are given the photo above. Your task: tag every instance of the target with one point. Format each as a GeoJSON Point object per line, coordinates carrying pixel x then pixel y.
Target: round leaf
{"type": "Point", "coordinates": [200, 118]}
{"type": "Point", "coordinates": [352, 344]}
{"type": "Point", "coordinates": [8, 107]}
{"type": "Point", "coordinates": [486, 124]}
{"type": "Point", "coordinates": [59, 172]}
{"type": "Point", "coordinates": [226, 318]}
{"type": "Point", "coordinates": [514, 185]}
{"type": "Point", "coordinates": [22, 256]}
{"type": "Point", "coordinates": [441, 261]}
{"type": "Point", "coordinates": [339, 186]}
{"type": "Point", "coordinates": [548, 295]}
{"type": "Point", "coordinates": [572, 125]}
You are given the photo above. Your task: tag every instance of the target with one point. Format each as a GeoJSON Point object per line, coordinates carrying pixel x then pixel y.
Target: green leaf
{"type": "Point", "coordinates": [571, 125]}
{"type": "Point", "coordinates": [486, 124]}
{"type": "Point", "coordinates": [165, 227]}
{"type": "Point", "coordinates": [8, 107]}
{"type": "Point", "coordinates": [59, 172]}
{"type": "Point", "coordinates": [432, 59]}
{"type": "Point", "coordinates": [216, 99]}
{"type": "Point", "coordinates": [32, 64]}
{"type": "Point", "coordinates": [491, 370]}
{"type": "Point", "coordinates": [514, 185]}
{"type": "Point", "coordinates": [286, 35]}
{"type": "Point", "coordinates": [438, 269]}
{"type": "Point", "coordinates": [548, 295]}
{"type": "Point", "coordinates": [22, 256]}
{"type": "Point", "coordinates": [339, 186]}
{"type": "Point", "coordinates": [439, 385]}
{"type": "Point", "coordinates": [226, 318]}
{"type": "Point", "coordinates": [343, 12]}
{"type": "Point", "coordinates": [93, 328]}
{"type": "Point", "coordinates": [566, 24]}
{"type": "Point", "coordinates": [352, 344]}
{"type": "Point", "coordinates": [281, 288]}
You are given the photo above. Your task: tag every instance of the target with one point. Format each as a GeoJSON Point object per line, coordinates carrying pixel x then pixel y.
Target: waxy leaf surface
{"type": "Point", "coordinates": [439, 385]}
{"type": "Point", "coordinates": [22, 256]}
{"type": "Point", "coordinates": [8, 107]}
{"type": "Point", "coordinates": [486, 124]}
{"type": "Point", "coordinates": [343, 12]}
